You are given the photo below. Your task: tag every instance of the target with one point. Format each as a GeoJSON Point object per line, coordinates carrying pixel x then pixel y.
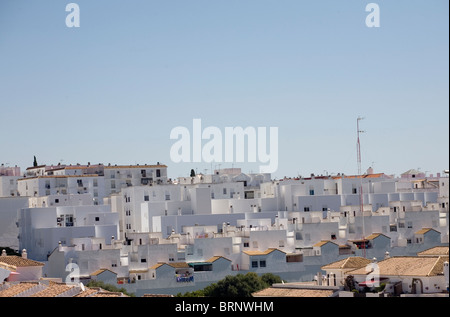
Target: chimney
{"type": "Point", "coordinates": [386, 255]}
{"type": "Point", "coordinates": [3, 252]}
{"type": "Point", "coordinates": [24, 254]}
{"type": "Point", "coordinates": [319, 278]}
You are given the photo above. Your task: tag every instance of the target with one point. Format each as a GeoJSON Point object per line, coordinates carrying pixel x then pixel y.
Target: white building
{"type": "Point", "coordinates": [8, 181]}
{"type": "Point", "coordinates": [41, 229]}
{"type": "Point", "coordinates": [63, 185]}
{"type": "Point", "coordinates": [9, 231]}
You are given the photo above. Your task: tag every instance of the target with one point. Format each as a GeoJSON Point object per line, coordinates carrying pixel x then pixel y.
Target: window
{"type": "Point", "coordinates": [146, 198]}
{"type": "Point", "coordinates": [392, 228]}
{"type": "Point", "coordinates": [143, 260]}
{"type": "Point", "coordinates": [158, 173]}
{"type": "Point", "coordinates": [281, 243]}
{"type": "Point", "coordinates": [69, 220]}
{"type": "Point", "coordinates": [97, 218]}
{"type": "Point", "coordinates": [224, 191]}
{"type": "Point", "coordinates": [254, 264]}
{"type": "Point", "coordinates": [56, 200]}
{"type": "Point", "coordinates": [306, 209]}
{"type": "Point", "coordinates": [246, 245]}
{"type": "Point", "coordinates": [333, 237]}
{"type": "Point", "coordinates": [262, 263]}
{"type": "Point", "coordinates": [311, 192]}
{"type": "Point", "coordinates": [410, 224]}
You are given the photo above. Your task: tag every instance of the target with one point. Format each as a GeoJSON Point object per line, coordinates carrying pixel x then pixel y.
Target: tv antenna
{"type": "Point", "coordinates": [361, 206]}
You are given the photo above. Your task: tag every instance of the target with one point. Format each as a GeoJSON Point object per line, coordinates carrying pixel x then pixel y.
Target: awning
{"type": "Point", "coordinates": [199, 263]}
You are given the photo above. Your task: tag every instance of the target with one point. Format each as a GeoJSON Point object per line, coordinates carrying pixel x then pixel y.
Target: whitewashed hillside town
{"type": "Point", "coordinates": [133, 227]}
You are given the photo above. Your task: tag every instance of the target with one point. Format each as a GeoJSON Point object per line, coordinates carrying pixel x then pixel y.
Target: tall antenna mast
{"type": "Point", "coordinates": [361, 207]}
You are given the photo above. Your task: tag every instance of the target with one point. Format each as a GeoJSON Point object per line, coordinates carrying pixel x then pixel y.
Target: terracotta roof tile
{"type": "Point", "coordinates": [270, 250]}
{"type": "Point", "coordinates": [19, 261]}
{"type": "Point", "coordinates": [16, 289]}
{"type": "Point", "coordinates": [52, 290]}
{"type": "Point", "coordinates": [434, 251]}
{"type": "Point", "coordinates": [408, 266]}
{"type": "Point", "coordinates": [352, 262]}
{"type": "Point", "coordinates": [293, 292]}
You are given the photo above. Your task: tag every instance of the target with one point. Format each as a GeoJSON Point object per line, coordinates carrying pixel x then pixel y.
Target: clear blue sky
{"type": "Point", "coordinates": [112, 90]}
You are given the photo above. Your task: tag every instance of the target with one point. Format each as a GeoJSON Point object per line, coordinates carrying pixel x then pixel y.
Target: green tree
{"type": "Point", "coordinates": [35, 163]}
{"type": "Point", "coordinates": [270, 279]}
{"type": "Point", "coordinates": [240, 285]}
{"type": "Point", "coordinates": [192, 173]}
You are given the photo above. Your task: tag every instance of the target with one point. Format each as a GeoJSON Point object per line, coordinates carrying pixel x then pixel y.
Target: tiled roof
{"type": "Point", "coordinates": [52, 290]}
{"type": "Point", "coordinates": [425, 230]}
{"type": "Point", "coordinates": [376, 235]}
{"type": "Point", "coordinates": [172, 264]}
{"type": "Point", "coordinates": [16, 289]}
{"type": "Point", "coordinates": [434, 251]}
{"type": "Point", "coordinates": [408, 266]}
{"type": "Point", "coordinates": [108, 294]}
{"type": "Point", "coordinates": [322, 243]}
{"type": "Point", "coordinates": [215, 258]}
{"type": "Point", "coordinates": [19, 261]}
{"type": "Point", "coordinates": [88, 292]}
{"type": "Point", "coordinates": [352, 262]}
{"type": "Point", "coordinates": [100, 271]}
{"type": "Point", "coordinates": [270, 250]}
{"type": "Point", "coordinates": [293, 292]}
{"type": "Point", "coordinates": [179, 264]}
